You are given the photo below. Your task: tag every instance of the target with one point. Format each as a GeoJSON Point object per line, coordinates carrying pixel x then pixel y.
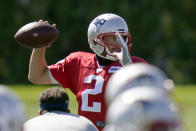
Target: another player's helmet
{"type": "Point", "coordinates": [103, 26]}
{"type": "Point", "coordinates": [143, 109]}
{"type": "Point", "coordinates": [12, 114]}
{"type": "Point", "coordinates": [137, 75]}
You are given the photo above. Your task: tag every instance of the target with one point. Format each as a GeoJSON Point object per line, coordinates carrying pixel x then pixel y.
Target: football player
{"type": "Point", "coordinates": [86, 74]}
{"type": "Point", "coordinates": [12, 112]}
{"type": "Point", "coordinates": [137, 75]}
{"type": "Point", "coordinates": [143, 109]}
{"type": "Point", "coordinates": [55, 116]}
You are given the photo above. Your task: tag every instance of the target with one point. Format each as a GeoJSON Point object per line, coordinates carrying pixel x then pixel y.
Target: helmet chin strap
{"type": "Point", "coordinates": [110, 55]}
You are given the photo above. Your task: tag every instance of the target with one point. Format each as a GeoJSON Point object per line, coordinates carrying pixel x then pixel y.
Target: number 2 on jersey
{"type": "Point", "coordinates": [96, 107]}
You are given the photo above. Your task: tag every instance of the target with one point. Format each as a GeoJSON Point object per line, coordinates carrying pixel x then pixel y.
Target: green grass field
{"type": "Point", "coordinates": [184, 95]}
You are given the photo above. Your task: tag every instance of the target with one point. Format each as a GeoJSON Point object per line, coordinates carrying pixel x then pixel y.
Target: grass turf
{"type": "Point", "coordinates": [185, 96]}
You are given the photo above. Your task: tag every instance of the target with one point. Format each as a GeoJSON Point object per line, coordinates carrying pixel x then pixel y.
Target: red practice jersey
{"type": "Point", "coordinates": [82, 74]}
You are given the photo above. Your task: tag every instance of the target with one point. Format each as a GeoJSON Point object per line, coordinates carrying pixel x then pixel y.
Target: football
{"type": "Point", "coordinates": [36, 35]}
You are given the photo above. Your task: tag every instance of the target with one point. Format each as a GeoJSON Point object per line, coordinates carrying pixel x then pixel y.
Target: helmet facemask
{"type": "Point", "coordinates": [107, 48]}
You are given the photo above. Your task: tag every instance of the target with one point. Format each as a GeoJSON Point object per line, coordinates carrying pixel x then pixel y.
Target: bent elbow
{"type": "Point", "coordinates": [34, 80]}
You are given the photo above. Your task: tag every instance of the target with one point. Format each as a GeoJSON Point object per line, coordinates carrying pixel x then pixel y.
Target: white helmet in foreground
{"type": "Point", "coordinates": [142, 109]}
{"type": "Point", "coordinates": [12, 114]}
{"type": "Point", "coordinates": [136, 75]}
{"type": "Point", "coordinates": [103, 26]}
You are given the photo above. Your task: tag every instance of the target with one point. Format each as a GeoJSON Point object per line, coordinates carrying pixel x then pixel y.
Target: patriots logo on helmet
{"type": "Point", "coordinates": [99, 22]}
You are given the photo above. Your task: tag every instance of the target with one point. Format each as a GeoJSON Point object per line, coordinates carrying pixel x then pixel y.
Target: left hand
{"type": "Point", "coordinates": [123, 55]}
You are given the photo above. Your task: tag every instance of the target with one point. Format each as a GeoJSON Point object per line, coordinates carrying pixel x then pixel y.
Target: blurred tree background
{"type": "Point", "coordinates": [163, 32]}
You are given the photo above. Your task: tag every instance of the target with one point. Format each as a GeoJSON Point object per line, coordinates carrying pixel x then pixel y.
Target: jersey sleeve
{"type": "Point", "coordinates": [62, 72]}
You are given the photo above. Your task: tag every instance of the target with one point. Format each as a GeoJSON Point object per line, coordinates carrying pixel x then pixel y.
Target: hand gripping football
{"type": "Point", "coordinates": [36, 35]}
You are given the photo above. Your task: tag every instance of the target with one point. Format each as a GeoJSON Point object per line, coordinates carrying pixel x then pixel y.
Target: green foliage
{"type": "Point", "coordinates": [163, 32]}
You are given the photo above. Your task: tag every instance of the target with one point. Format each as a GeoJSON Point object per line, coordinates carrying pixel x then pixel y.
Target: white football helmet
{"type": "Point", "coordinates": [12, 113]}
{"type": "Point", "coordinates": [142, 109]}
{"type": "Point", "coordinates": [103, 26]}
{"type": "Point", "coordinates": [136, 75]}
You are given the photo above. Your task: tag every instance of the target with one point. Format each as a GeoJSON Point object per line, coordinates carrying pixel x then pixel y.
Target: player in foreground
{"type": "Point", "coordinates": [143, 109]}
{"type": "Point", "coordinates": [12, 112]}
{"type": "Point", "coordinates": [140, 101]}
{"type": "Point", "coordinates": [137, 75]}
{"type": "Point", "coordinates": [55, 116]}
{"type": "Point", "coordinates": [86, 74]}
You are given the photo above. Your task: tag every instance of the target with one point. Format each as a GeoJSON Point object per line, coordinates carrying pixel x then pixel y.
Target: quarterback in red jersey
{"type": "Point", "coordinates": [86, 74]}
